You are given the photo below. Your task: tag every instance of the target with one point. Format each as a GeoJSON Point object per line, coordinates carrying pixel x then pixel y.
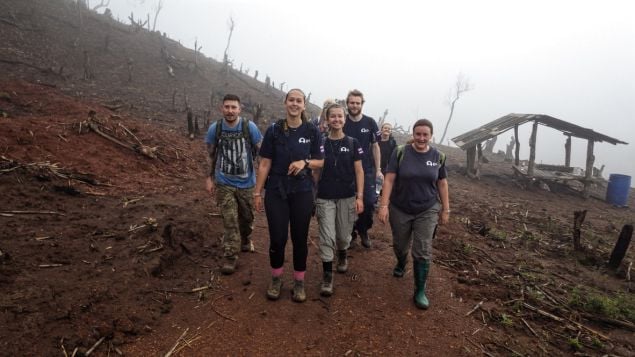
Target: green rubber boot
{"type": "Point", "coordinates": [421, 269]}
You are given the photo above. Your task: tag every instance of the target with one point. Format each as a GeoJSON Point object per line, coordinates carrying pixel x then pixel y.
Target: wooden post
{"type": "Point", "coordinates": [517, 157]}
{"type": "Point", "coordinates": [567, 152]}
{"type": "Point", "coordinates": [532, 150]}
{"type": "Point", "coordinates": [590, 159]}
{"type": "Point", "coordinates": [471, 161]}
{"type": "Point", "coordinates": [578, 219]}
{"type": "Point", "coordinates": [621, 247]}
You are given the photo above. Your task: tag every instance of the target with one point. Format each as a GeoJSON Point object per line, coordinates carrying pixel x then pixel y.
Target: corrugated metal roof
{"type": "Point", "coordinates": [508, 121]}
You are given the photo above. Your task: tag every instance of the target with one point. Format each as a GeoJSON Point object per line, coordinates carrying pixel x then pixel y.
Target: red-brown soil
{"type": "Point", "coordinates": [101, 243]}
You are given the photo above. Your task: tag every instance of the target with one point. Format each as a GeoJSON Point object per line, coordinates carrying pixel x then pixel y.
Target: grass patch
{"type": "Point", "coordinates": [506, 320]}
{"type": "Point", "coordinates": [621, 306]}
{"type": "Point", "coordinates": [575, 344]}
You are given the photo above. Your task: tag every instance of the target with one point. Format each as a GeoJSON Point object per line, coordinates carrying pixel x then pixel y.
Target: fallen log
{"type": "Point", "coordinates": [141, 149]}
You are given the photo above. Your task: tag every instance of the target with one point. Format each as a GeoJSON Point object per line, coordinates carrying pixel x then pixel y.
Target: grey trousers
{"type": "Point", "coordinates": [336, 219]}
{"type": "Point", "coordinates": [419, 229]}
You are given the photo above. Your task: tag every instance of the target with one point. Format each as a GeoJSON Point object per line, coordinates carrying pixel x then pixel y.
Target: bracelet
{"type": "Point", "coordinates": [360, 196]}
{"type": "Point", "coordinates": [256, 194]}
{"type": "Point", "coordinates": [447, 210]}
{"type": "Point", "coordinates": [383, 206]}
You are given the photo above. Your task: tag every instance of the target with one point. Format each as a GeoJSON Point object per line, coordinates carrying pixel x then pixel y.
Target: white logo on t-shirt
{"type": "Point", "coordinates": [364, 130]}
{"type": "Point", "coordinates": [344, 149]}
{"type": "Point", "coordinates": [430, 163]}
{"type": "Point", "coordinates": [304, 141]}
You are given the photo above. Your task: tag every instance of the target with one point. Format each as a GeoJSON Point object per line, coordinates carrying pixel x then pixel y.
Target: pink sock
{"type": "Point", "coordinates": [277, 272]}
{"type": "Point", "coordinates": [298, 275]}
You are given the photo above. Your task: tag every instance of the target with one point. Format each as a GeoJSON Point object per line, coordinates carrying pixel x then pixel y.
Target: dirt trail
{"type": "Point", "coordinates": [371, 312]}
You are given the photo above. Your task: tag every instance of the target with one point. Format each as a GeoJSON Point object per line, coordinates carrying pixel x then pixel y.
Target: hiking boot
{"type": "Point", "coordinates": [298, 291]}
{"type": "Point", "coordinates": [326, 288]}
{"type": "Point", "coordinates": [421, 269]}
{"type": "Point", "coordinates": [365, 240]}
{"type": "Point", "coordinates": [230, 265]}
{"type": "Point", "coordinates": [353, 241]}
{"type": "Point", "coordinates": [400, 269]}
{"type": "Point", "coordinates": [273, 291]}
{"type": "Point", "coordinates": [247, 246]}
{"type": "Point", "coordinates": [342, 261]}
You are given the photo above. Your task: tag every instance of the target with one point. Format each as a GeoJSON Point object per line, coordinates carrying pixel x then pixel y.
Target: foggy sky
{"type": "Point", "coordinates": [573, 60]}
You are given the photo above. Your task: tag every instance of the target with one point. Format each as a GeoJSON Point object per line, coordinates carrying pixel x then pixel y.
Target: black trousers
{"type": "Point", "coordinates": [293, 213]}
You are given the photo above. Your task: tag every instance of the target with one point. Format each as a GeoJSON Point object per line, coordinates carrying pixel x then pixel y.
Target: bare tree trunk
{"type": "Point", "coordinates": [187, 106]}
{"type": "Point", "coordinates": [130, 63]}
{"type": "Point", "coordinates": [101, 4]}
{"type": "Point", "coordinates": [578, 219]}
{"type": "Point", "coordinates": [174, 100]}
{"type": "Point", "coordinates": [156, 14]}
{"type": "Point", "coordinates": [88, 74]}
{"type": "Point", "coordinates": [229, 39]}
{"type": "Point", "coordinates": [621, 247]}
{"type": "Point", "coordinates": [190, 123]}
{"type": "Point", "coordinates": [461, 86]}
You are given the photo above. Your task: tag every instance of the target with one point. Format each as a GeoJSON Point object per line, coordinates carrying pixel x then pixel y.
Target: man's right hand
{"type": "Point", "coordinates": [209, 185]}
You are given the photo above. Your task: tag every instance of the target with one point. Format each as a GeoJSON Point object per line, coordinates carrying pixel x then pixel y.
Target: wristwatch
{"type": "Point", "coordinates": [306, 163]}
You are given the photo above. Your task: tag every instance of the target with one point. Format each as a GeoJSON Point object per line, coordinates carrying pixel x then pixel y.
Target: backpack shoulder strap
{"type": "Point", "coordinates": [441, 157]}
{"type": "Point", "coordinates": [219, 129]}
{"type": "Point", "coordinates": [350, 142]}
{"type": "Point", "coordinates": [400, 153]}
{"type": "Point", "coordinates": [246, 132]}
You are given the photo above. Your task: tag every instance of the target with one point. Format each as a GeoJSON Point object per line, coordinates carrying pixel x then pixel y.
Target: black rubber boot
{"type": "Point", "coordinates": [342, 261]}
{"type": "Point", "coordinates": [400, 268]}
{"type": "Point", "coordinates": [326, 288]}
{"type": "Point", "coordinates": [421, 269]}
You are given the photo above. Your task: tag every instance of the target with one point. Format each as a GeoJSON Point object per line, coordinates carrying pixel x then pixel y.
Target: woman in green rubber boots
{"type": "Point", "coordinates": [415, 199]}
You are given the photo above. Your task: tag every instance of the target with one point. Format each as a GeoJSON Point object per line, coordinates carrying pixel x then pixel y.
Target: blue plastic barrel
{"type": "Point", "coordinates": [617, 190]}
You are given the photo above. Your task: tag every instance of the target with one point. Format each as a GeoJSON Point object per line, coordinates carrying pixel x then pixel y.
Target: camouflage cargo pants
{"type": "Point", "coordinates": [236, 207]}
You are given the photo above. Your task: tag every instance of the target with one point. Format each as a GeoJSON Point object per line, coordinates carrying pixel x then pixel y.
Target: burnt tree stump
{"type": "Point", "coordinates": [578, 219]}
{"type": "Point", "coordinates": [621, 247]}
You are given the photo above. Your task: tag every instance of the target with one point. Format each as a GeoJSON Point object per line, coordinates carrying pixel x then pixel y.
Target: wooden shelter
{"type": "Point", "coordinates": [472, 140]}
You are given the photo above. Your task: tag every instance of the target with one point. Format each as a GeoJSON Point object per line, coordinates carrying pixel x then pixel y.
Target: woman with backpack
{"type": "Point", "coordinates": [291, 148]}
{"type": "Point", "coordinates": [340, 195]}
{"type": "Point", "coordinates": [416, 187]}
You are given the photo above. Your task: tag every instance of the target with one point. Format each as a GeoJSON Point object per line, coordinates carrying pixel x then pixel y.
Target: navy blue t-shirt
{"type": "Point", "coordinates": [365, 131]}
{"type": "Point", "coordinates": [415, 188]}
{"type": "Point", "coordinates": [283, 147]}
{"type": "Point", "coordinates": [338, 174]}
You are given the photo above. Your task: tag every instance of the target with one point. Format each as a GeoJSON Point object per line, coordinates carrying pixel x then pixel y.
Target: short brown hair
{"type": "Point", "coordinates": [423, 122]}
{"type": "Point", "coordinates": [355, 93]}
{"type": "Point", "coordinates": [231, 97]}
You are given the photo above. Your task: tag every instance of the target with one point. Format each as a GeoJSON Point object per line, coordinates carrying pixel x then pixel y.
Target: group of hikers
{"type": "Point", "coordinates": [330, 170]}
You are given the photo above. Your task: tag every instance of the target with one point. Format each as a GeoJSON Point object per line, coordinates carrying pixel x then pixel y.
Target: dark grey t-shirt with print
{"type": "Point", "coordinates": [415, 188]}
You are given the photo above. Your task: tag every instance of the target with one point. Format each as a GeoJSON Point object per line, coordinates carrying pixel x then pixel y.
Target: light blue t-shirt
{"type": "Point", "coordinates": [234, 160]}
